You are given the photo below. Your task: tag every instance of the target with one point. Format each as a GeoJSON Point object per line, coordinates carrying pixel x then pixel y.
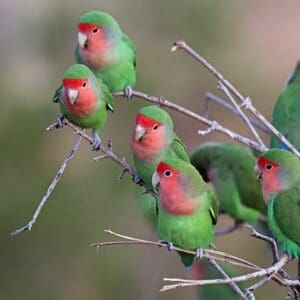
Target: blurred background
{"type": "Point", "coordinates": [254, 43]}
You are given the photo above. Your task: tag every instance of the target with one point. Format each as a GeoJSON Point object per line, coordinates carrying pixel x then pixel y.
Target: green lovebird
{"type": "Point", "coordinates": [229, 167]}
{"type": "Point", "coordinates": [84, 100]}
{"type": "Point", "coordinates": [107, 51]}
{"type": "Point", "coordinates": [279, 171]}
{"type": "Point", "coordinates": [187, 209]}
{"type": "Point", "coordinates": [204, 270]}
{"type": "Point", "coordinates": [286, 112]}
{"type": "Point", "coordinates": [152, 140]}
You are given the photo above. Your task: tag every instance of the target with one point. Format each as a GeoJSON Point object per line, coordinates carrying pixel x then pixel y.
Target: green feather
{"type": "Point", "coordinates": [230, 167]}
{"type": "Point", "coordinates": [121, 71]}
{"type": "Point", "coordinates": [286, 112]}
{"type": "Point", "coordinates": [195, 230]}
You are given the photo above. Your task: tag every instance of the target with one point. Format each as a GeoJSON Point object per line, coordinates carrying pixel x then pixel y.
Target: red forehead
{"type": "Point", "coordinates": [262, 162]}
{"type": "Point", "coordinates": [145, 121]}
{"type": "Point", "coordinates": [73, 83]}
{"type": "Point", "coordinates": [86, 27]}
{"type": "Point", "coordinates": [163, 167]}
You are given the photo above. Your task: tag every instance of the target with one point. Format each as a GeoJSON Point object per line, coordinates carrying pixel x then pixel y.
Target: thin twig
{"type": "Point", "coordinates": [250, 290]}
{"type": "Point", "coordinates": [234, 286]}
{"type": "Point", "coordinates": [50, 189]}
{"type": "Point", "coordinates": [212, 97]}
{"type": "Point", "coordinates": [108, 153]}
{"type": "Point", "coordinates": [181, 283]}
{"type": "Point", "coordinates": [212, 124]}
{"type": "Point", "coordinates": [241, 112]}
{"type": "Point", "coordinates": [207, 253]}
{"type": "Point", "coordinates": [245, 101]}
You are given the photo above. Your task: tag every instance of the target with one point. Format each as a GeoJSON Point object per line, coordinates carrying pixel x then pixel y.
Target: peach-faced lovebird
{"type": "Point", "coordinates": [229, 167]}
{"type": "Point", "coordinates": [84, 100]}
{"type": "Point", "coordinates": [279, 171]}
{"type": "Point", "coordinates": [107, 51]}
{"type": "Point", "coordinates": [187, 208]}
{"type": "Point", "coordinates": [286, 112]}
{"type": "Point", "coordinates": [152, 140]}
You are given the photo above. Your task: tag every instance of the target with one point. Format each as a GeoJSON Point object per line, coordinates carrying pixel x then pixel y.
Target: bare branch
{"type": "Point", "coordinates": [245, 101]}
{"type": "Point", "coordinates": [181, 283]}
{"type": "Point", "coordinates": [212, 97]}
{"type": "Point", "coordinates": [207, 253]}
{"type": "Point", "coordinates": [161, 101]}
{"type": "Point", "coordinates": [241, 112]}
{"type": "Point", "coordinates": [229, 229]}
{"type": "Point", "coordinates": [108, 153]}
{"type": "Point", "coordinates": [234, 286]}
{"type": "Point", "coordinates": [50, 189]}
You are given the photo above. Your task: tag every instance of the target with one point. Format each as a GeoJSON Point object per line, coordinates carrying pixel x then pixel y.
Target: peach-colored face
{"type": "Point", "coordinates": [268, 172]}
{"type": "Point", "coordinates": [147, 138]}
{"type": "Point", "coordinates": [79, 96]}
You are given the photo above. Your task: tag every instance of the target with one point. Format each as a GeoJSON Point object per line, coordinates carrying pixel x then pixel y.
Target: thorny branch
{"type": "Point", "coordinates": [50, 189]}
{"type": "Point", "coordinates": [245, 102]}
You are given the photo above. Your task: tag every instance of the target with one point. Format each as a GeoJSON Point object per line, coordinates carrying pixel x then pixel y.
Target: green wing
{"type": "Point", "coordinates": [57, 94]}
{"type": "Point", "coordinates": [229, 198]}
{"type": "Point", "coordinates": [286, 213]}
{"type": "Point", "coordinates": [214, 209]}
{"type": "Point", "coordinates": [131, 48]}
{"type": "Point", "coordinates": [180, 149]}
{"type": "Point", "coordinates": [108, 98]}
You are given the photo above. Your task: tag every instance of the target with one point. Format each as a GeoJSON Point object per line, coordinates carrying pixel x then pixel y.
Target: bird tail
{"type": "Point", "coordinates": [187, 259]}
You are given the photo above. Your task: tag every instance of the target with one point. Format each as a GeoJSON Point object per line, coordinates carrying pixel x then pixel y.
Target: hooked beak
{"type": "Point", "coordinates": [155, 180]}
{"type": "Point", "coordinates": [258, 173]}
{"type": "Point", "coordinates": [72, 95]}
{"type": "Point", "coordinates": [82, 40]}
{"type": "Point", "coordinates": [140, 132]}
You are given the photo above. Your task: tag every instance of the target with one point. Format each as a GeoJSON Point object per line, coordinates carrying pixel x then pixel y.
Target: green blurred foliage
{"type": "Point", "coordinates": [254, 43]}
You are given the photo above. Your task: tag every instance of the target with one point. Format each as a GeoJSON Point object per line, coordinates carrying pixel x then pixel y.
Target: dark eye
{"type": "Point", "coordinates": [84, 84]}
{"type": "Point", "coordinates": [269, 167]}
{"type": "Point", "coordinates": [155, 127]}
{"type": "Point", "coordinates": [95, 30]}
{"type": "Point", "coordinates": [168, 173]}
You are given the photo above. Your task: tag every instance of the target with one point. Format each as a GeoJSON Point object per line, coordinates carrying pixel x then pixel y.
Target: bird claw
{"type": "Point", "coordinates": [128, 91]}
{"type": "Point", "coordinates": [199, 254]}
{"type": "Point", "coordinates": [96, 142]}
{"type": "Point", "coordinates": [170, 245]}
{"type": "Point", "coordinates": [59, 121]}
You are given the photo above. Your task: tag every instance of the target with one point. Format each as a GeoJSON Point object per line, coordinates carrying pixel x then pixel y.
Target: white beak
{"type": "Point", "coordinates": [140, 131]}
{"type": "Point", "coordinates": [258, 172]}
{"type": "Point", "coordinates": [82, 39]}
{"type": "Point", "coordinates": [155, 180]}
{"type": "Point", "coordinates": [72, 95]}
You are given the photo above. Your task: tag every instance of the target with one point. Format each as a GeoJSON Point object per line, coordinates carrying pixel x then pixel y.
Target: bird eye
{"type": "Point", "coordinates": [95, 30]}
{"type": "Point", "coordinates": [269, 167]}
{"type": "Point", "coordinates": [84, 84]}
{"type": "Point", "coordinates": [168, 173]}
{"type": "Point", "coordinates": [155, 127]}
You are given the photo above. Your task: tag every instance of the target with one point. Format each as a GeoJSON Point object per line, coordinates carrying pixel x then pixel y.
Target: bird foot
{"type": "Point", "coordinates": [137, 179]}
{"type": "Point", "coordinates": [170, 245]}
{"type": "Point", "coordinates": [199, 254]}
{"type": "Point", "coordinates": [96, 142]}
{"type": "Point", "coordinates": [128, 91]}
{"type": "Point", "coordinates": [59, 121]}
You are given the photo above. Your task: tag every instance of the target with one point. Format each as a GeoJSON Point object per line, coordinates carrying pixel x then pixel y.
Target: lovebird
{"type": "Point", "coordinates": [204, 270]}
{"type": "Point", "coordinates": [84, 100]}
{"type": "Point", "coordinates": [229, 167]}
{"type": "Point", "coordinates": [286, 112]}
{"type": "Point", "coordinates": [107, 51]}
{"type": "Point", "coordinates": [279, 172]}
{"type": "Point", "coordinates": [187, 209]}
{"type": "Point", "coordinates": [152, 140]}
